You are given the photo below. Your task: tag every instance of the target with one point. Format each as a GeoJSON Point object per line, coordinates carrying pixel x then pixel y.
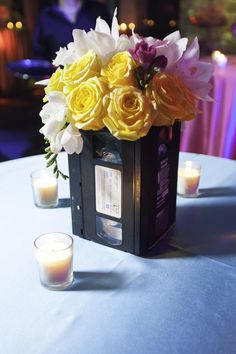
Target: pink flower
{"type": "Point", "coordinates": [171, 47]}
{"type": "Point", "coordinates": [194, 73]}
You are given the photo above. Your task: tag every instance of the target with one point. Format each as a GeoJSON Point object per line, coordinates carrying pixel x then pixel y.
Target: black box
{"type": "Point", "coordinates": [123, 193]}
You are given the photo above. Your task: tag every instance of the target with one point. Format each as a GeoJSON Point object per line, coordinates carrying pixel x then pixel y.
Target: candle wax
{"type": "Point", "coordinates": [188, 180]}
{"type": "Point", "coordinates": [55, 264]}
{"type": "Point", "coordinates": [45, 189]}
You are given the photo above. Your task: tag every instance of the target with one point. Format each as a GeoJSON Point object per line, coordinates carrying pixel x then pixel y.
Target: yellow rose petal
{"type": "Point", "coordinates": [84, 68]}
{"type": "Point", "coordinates": [130, 114]}
{"type": "Point", "coordinates": [120, 70]}
{"type": "Point", "coordinates": [87, 105]}
{"type": "Point", "coordinates": [172, 99]}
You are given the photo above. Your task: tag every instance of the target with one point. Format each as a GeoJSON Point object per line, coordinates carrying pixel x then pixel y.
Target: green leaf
{"type": "Point", "coordinates": [48, 155]}
{"type": "Point", "coordinates": [52, 160]}
{"type": "Point", "coordinates": [50, 163]}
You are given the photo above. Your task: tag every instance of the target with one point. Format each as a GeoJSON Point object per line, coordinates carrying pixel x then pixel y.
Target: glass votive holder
{"type": "Point", "coordinates": [189, 173]}
{"type": "Point", "coordinates": [45, 188]}
{"type": "Point", "coordinates": [54, 255]}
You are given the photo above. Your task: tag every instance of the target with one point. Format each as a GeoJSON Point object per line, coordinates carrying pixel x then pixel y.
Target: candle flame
{"type": "Point", "coordinates": [189, 164]}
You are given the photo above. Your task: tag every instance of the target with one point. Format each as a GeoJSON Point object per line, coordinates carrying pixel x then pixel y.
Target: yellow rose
{"type": "Point", "coordinates": [172, 99]}
{"type": "Point", "coordinates": [120, 70]}
{"type": "Point", "coordinates": [130, 113]}
{"type": "Point", "coordinates": [55, 83]}
{"type": "Point", "coordinates": [84, 68]}
{"type": "Point", "coordinates": [86, 104]}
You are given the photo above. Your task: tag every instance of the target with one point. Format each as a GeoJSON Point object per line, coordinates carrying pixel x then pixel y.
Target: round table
{"type": "Point", "coordinates": [181, 299]}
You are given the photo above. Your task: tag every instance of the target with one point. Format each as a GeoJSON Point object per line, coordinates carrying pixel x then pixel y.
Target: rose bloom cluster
{"type": "Point", "coordinates": [125, 84]}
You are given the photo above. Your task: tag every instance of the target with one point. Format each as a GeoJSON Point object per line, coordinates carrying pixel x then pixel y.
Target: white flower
{"type": "Point", "coordinates": [44, 82]}
{"type": "Point", "coordinates": [104, 41]}
{"type": "Point", "coordinates": [65, 55]}
{"type": "Point", "coordinates": [53, 115]}
{"type": "Point", "coordinates": [70, 139]}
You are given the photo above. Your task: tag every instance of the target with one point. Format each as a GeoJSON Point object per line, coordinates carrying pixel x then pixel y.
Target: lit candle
{"type": "Point", "coordinates": [188, 179]}
{"type": "Point", "coordinates": [44, 184]}
{"type": "Point", "coordinates": [54, 254]}
{"type": "Point", "coordinates": [219, 59]}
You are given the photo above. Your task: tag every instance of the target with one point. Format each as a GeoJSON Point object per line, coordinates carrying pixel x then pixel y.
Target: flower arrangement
{"type": "Point", "coordinates": [125, 84]}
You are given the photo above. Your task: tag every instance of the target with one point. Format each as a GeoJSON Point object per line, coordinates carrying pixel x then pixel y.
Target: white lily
{"type": "Point", "coordinates": [44, 82]}
{"type": "Point", "coordinates": [104, 41]}
{"type": "Point", "coordinates": [65, 55]}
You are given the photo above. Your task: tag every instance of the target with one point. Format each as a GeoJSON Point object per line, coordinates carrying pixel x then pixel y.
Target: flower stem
{"type": "Point", "coordinates": [52, 160]}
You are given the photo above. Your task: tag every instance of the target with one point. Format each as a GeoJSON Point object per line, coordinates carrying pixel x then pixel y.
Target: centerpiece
{"type": "Point", "coordinates": [115, 104]}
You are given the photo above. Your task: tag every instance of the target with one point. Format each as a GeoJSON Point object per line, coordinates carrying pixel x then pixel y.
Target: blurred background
{"type": "Point", "coordinates": [26, 38]}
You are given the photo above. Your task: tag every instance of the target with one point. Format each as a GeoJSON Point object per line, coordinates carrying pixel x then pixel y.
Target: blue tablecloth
{"type": "Point", "coordinates": [181, 301]}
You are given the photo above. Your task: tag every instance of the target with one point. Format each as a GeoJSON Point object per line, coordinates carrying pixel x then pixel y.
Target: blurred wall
{"type": "Point", "coordinates": [213, 21]}
{"type": "Point", "coordinates": [151, 17]}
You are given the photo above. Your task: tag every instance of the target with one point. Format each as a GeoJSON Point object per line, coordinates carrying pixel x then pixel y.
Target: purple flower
{"type": "Point", "coordinates": [171, 47]}
{"type": "Point", "coordinates": [160, 62]}
{"type": "Point", "coordinates": [143, 54]}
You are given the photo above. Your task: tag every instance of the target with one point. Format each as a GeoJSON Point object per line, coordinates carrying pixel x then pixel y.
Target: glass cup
{"type": "Point", "coordinates": [45, 188]}
{"type": "Point", "coordinates": [54, 255]}
{"type": "Point", "coordinates": [189, 173]}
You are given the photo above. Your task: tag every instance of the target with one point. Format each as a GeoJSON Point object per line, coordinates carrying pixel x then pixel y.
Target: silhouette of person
{"type": "Point", "coordinates": [56, 23]}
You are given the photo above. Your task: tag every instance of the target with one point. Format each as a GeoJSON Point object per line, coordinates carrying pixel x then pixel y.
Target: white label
{"type": "Point", "coordinates": [108, 191]}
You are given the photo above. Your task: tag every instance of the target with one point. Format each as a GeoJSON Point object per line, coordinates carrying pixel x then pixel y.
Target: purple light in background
{"type": "Point", "coordinates": [233, 29]}
{"type": "Point", "coordinates": [216, 116]}
{"type": "Point", "coordinates": [13, 144]}
{"type": "Point", "coordinates": [231, 131]}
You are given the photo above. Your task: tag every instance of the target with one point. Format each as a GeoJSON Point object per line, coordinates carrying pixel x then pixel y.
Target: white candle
{"type": "Point", "coordinates": [54, 254]}
{"type": "Point", "coordinates": [45, 188]}
{"type": "Point", "coordinates": [219, 59]}
{"type": "Point", "coordinates": [188, 179]}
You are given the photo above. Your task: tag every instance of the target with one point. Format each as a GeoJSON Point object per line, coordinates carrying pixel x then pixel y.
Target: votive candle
{"type": "Point", "coordinates": [219, 59]}
{"type": "Point", "coordinates": [45, 188]}
{"type": "Point", "coordinates": [188, 179]}
{"type": "Point", "coordinates": [54, 254]}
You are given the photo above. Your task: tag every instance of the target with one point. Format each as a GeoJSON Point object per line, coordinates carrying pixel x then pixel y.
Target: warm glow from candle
{"type": "Point", "coordinates": [188, 179]}
{"type": "Point", "coordinates": [19, 25]}
{"type": "Point", "coordinates": [45, 188]}
{"type": "Point", "coordinates": [215, 54]}
{"type": "Point", "coordinates": [10, 25]}
{"type": "Point", "coordinates": [149, 22]}
{"type": "Point", "coordinates": [54, 255]}
{"type": "Point", "coordinates": [219, 59]}
{"type": "Point", "coordinates": [123, 26]}
{"type": "Point", "coordinates": [131, 25]}
{"type": "Point", "coordinates": [172, 23]}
